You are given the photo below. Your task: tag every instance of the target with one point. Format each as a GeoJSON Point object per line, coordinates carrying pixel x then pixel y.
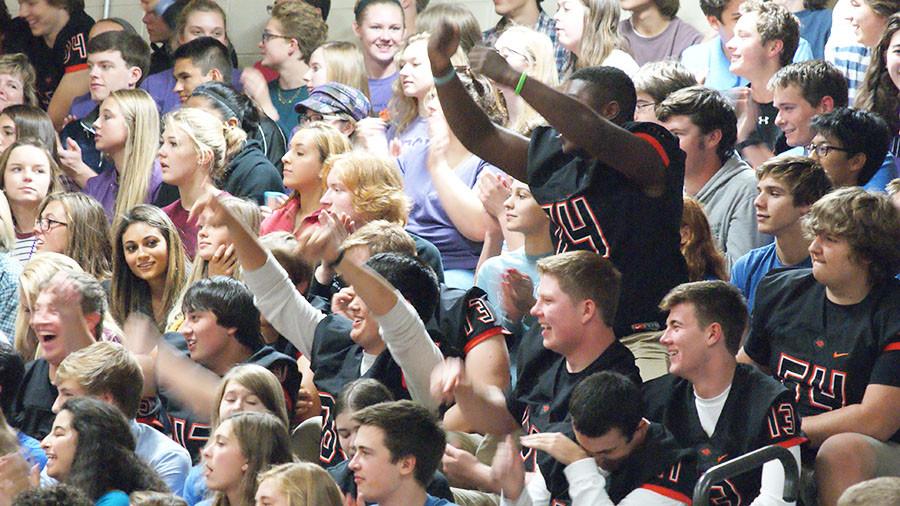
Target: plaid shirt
{"type": "Point", "coordinates": [10, 269]}
{"type": "Point", "coordinates": [545, 24]}
{"type": "Point", "coordinates": [852, 61]}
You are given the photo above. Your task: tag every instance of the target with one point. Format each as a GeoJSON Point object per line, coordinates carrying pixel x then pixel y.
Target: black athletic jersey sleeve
{"type": "Point", "coordinates": [592, 206]}
{"type": "Point", "coordinates": [466, 319]}
{"type": "Point", "coordinates": [826, 354]}
{"type": "Point", "coordinates": [31, 410]}
{"type": "Point", "coordinates": [68, 54]}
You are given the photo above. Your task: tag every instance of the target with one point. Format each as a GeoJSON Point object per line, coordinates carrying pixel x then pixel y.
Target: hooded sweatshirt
{"type": "Point", "coordinates": [250, 174]}
{"type": "Point", "coordinates": [728, 199]}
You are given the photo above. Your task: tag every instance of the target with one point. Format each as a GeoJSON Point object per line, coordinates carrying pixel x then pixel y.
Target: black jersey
{"type": "Point", "coordinates": [192, 430]}
{"type": "Point", "coordinates": [594, 207]}
{"type": "Point", "coordinates": [540, 399]}
{"type": "Point", "coordinates": [758, 412]}
{"type": "Point", "coordinates": [68, 54]}
{"type": "Point", "coordinates": [826, 354]}
{"type": "Point", "coordinates": [659, 465]}
{"type": "Point", "coordinates": [465, 319]}
{"type": "Point", "coordinates": [336, 361]}
{"type": "Point", "coordinates": [31, 410]}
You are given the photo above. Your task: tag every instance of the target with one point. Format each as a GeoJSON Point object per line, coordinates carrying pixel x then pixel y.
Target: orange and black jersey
{"type": "Point", "coordinates": [758, 412]}
{"type": "Point", "coordinates": [594, 207]}
{"type": "Point", "coordinates": [824, 353]}
{"type": "Point", "coordinates": [464, 319]}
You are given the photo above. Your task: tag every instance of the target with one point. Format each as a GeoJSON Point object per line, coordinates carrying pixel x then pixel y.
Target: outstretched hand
{"type": "Point", "coordinates": [488, 62]}
{"type": "Point", "coordinates": [442, 44]}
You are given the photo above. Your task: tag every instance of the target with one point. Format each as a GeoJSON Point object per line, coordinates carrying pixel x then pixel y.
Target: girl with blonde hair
{"type": "Point", "coordinates": [17, 78]}
{"type": "Point", "coordinates": [589, 29]}
{"type": "Point", "coordinates": [127, 131]}
{"type": "Point", "coordinates": [529, 51]}
{"type": "Point", "coordinates": [40, 269]}
{"type": "Point", "coordinates": [379, 24]}
{"type": "Point", "coordinates": [28, 173]}
{"type": "Point", "coordinates": [310, 147]}
{"type": "Point", "coordinates": [298, 484]}
{"type": "Point", "coordinates": [75, 225]}
{"type": "Point", "coordinates": [193, 157]}
{"type": "Point", "coordinates": [149, 267]}
{"type": "Point", "coordinates": [339, 62]}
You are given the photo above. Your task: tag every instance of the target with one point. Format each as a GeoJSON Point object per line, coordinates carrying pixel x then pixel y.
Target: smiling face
{"type": "Point", "coordinates": [685, 341]}
{"type": "Point", "coordinates": [795, 114]}
{"type": "Point", "coordinates": [748, 54]}
{"type": "Point", "coordinates": [559, 316]}
{"type": "Point", "coordinates": [775, 209]}
{"type": "Point", "coordinates": [108, 73]}
{"type": "Point", "coordinates": [206, 339]}
{"type": "Point", "coordinates": [27, 177]}
{"type": "Point", "coordinates": [52, 230]}
{"type": "Point", "coordinates": [377, 477]}
{"type": "Point", "coordinates": [204, 24]}
{"type": "Point", "coordinates": [364, 330]}
{"type": "Point", "coordinates": [892, 59]}
{"type": "Point", "coordinates": [380, 32]}
{"type": "Point", "coordinates": [523, 213]}
{"type": "Point", "coordinates": [415, 73]}
{"type": "Point", "coordinates": [12, 90]}
{"type": "Point", "coordinates": [178, 158]}
{"type": "Point", "coordinates": [224, 463]}
{"type": "Point", "coordinates": [868, 24]}
{"type": "Point", "coordinates": [43, 19]}
{"type": "Point", "coordinates": [146, 252]}
{"type": "Point", "coordinates": [570, 24]}
{"type": "Point", "coordinates": [317, 74]}
{"type": "Point", "coordinates": [67, 389]}
{"type": "Point", "coordinates": [237, 399]}
{"type": "Point", "coordinates": [60, 446]}
{"type": "Point", "coordinates": [111, 128]}
{"type": "Point", "coordinates": [47, 326]}
{"type": "Point", "coordinates": [302, 163]}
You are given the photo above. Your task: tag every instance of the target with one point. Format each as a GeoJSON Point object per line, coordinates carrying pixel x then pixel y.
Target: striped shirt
{"type": "Point", "coordinates": [25, 246]}
{"type": "Point", "coordinates": [545, 24]}
{"type": "Point", "coordinates": [852, 61]}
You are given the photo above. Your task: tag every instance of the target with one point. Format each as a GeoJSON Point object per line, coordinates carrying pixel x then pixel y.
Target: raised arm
{"type": "Point", "coordinates": [494, 144]}
{"type": "Point", "coordinates": [483, 406]}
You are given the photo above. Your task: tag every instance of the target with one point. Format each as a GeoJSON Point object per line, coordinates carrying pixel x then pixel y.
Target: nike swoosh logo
{"type": "Point", "coordinates": [720, 459]}
{"type": "Point", "coordinates": [839, 355]}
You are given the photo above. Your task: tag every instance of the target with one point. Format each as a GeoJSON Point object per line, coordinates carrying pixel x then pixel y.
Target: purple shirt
{"type": "Point", "coordinates": [161, 86]}
{"type": "Point", "coordinates": [428, 219]}
{"type": "Point", "coordinates": [415, 134]}
{"type": "Point", "coordinates": [82, 106]}
{"type": "Point", "coordinates": [381, 91]}
{"type": "Point", "coordinates": [105, 188]}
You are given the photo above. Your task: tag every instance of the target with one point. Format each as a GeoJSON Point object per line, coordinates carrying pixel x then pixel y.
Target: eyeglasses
{"type": "Point", "coordinates": [47, 224]}
{"type": "Point", "coordinates": [642, 105]}
{"type": "Point", "coordinates": [822, 150]}
{"type": "Point", "coordinates": [266, 37]}
{"type": "Point", "coordinates": [313, 117]}
{"type": "Point", "coordinates": [506, 52]}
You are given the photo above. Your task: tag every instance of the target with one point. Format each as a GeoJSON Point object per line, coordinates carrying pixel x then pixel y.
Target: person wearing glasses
{"type": "Point", "coordinates": [654, 82]}
{"type": "Point", "coordinates": [289, 38]}
{"type": "Point", "coordinates": [340, 106]}
{"type": "Point", "coordinates": [530, 51]}
{"type": "Point", "coordinates": [75, 225]}
{"type": "Point", "coordinates": [852, 146]}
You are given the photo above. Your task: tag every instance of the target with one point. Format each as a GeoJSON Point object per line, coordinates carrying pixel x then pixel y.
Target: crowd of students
{"type": "Point", "coordinates": [576, 259]}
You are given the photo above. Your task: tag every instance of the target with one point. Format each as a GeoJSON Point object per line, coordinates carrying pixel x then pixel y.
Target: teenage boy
{"type": "Point", "coordinates": [598, 175]}
{"type": "Point", "coordinates": [852, 146]}
{"type": "Point", "coordinates": [159, 18]}
{"type": "Point", "coordinates": [710, 60]}
{"type": "Point", "coordinates": [206, 59]}
{"type": "Point", "coordinates": [832, 336]}
{"type": "Point", "coordinates": [398, 448]}
{"type": "Point", "coordinates": [654, 82]}
{"type": "Point", "coordinates": [705, 124]}
{"type": "Point", "coordinates": [712, 404]}
{"type": "Point", "coordinates": [787, 187]}
{"type": "Point", "coordinates": [57, 48]}
{"type": "Point", "coordinates": [526, 13]}
{"type": "Point", "coordinates": [765, 37]}
{"type": "Point", "coordinates": [617, 456]}
{"type": "Point", "coordinates": [801, 92]}
{"type": "Point", "coordinates": [221, 329]}
{"type": "Point", "coordinates": [654, 32]}
{"type": "Point", "coordinates": [384, 338]}
{"type": "Point", "coordinates": [116, 61]}
{"type": "Point", "coordinates": [577, 298]}
{"type": "Point", "coordinates": [111, 373]}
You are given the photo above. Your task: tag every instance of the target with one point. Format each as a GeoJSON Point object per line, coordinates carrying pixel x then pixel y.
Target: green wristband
{"type": "Point", "coordinates": [521, 83]}
{"type": "Point", "coordinates": [446, 77]}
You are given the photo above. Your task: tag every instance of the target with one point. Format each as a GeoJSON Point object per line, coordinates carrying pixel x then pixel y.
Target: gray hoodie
{"type": "Point", "coordinates": [727, 199]}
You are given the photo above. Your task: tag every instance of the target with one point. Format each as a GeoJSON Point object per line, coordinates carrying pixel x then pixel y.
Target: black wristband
{"type": "Point", "coordinates": [337, 261]}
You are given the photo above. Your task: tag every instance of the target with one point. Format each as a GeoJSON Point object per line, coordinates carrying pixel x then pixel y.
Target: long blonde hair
{"type": "Point", "coordinates": [142, 124]}
{"type": "Point", "coordinates": [36, 272]}
{"type": "Point", "coordinates": [7, 230]}
{"type": "Point", "coordinates": [600, 35]}
{"type": "Point", "coordinates": [345, 64]}
{"type": "Point", "coordinates": [539, 52]}
{"type": "Point", "coordinates": [304, 484]}
{"type": "Point", "coordinates": [207, 133]}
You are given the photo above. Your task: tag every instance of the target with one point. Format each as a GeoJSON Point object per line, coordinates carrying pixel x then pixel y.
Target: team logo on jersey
{"type": "Point", "coordinates": [576, 226]}
{"type": "Point", "coordinates": [823, 388]}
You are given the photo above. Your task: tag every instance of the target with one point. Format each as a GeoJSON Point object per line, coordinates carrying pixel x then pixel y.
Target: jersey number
{"type": "Point", "coordinates": [825, 389]}
{"type": "Point", "coordinates": [576, 225]}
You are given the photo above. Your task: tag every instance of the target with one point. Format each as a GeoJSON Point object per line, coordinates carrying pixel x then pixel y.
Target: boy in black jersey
{"type": "Point", "coordinates": [58, 50]}
{"type": "Point", "coordinates": [832, 336]}
{"type": "Point", "coordinates": [616, 454]}
{"type": "Point", "coordinates": [609, 185]}
{"type": "Point", "coordinates": [576, 304]}
{"type": "Point", "coordinates": [714, 405]}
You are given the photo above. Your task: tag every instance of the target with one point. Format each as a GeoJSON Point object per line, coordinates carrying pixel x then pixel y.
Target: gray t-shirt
{"type": "Point", "coordinates": [677, 37]}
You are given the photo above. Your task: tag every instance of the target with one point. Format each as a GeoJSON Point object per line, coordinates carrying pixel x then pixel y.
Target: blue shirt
{"type": "Point", "coordinates": [888, 171]}
{"type": "Point", "coordinates": [113, 498]}
{"type": "Point", "coordinates": [32, 450]}
{"type": "Point", "coordinates": [709, 59]}
{"type": "Point", "coordinates": [748, 271]}
{"type": "Point", "coordinates": [170, 461]}
{"type": "Point", "coordinates": [194, 490]}
{"type": "Point", "coordinates": [815, 27]}
{"type": "Point", "coordinates": [434, 501]}
{"type": "Point", "coordinates": [490, 276]}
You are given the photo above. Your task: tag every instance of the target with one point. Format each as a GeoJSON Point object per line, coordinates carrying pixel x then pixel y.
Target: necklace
{"type": "Point", "coordinates": [280, 97]}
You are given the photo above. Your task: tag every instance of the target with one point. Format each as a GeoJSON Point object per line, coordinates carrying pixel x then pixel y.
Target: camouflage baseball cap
{"type": "Point", "coordinates": [336, 98]}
